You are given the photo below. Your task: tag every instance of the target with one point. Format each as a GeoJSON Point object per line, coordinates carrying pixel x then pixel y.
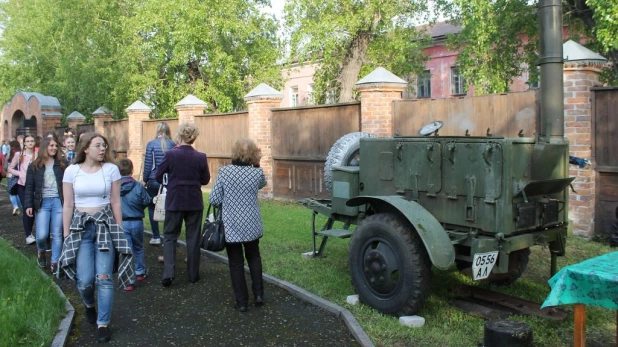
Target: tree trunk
{"type": "Point", "coordinates": [353, 60]}
{"type": "Point", "coordinates": [351, 66]}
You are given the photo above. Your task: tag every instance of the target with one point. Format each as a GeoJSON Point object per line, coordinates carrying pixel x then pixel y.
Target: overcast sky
{"type": "Point", "coordinates": [276, 8]}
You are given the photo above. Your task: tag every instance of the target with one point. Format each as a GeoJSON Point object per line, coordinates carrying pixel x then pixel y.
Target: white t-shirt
{"type": "Point", "coordinates": [91, 190]}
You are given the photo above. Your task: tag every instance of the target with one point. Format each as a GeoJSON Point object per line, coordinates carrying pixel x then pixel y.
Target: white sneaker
{"type": "Point", "coordinates": [155, 241]}
{"type": "Point", "coordinates": [30, 239]}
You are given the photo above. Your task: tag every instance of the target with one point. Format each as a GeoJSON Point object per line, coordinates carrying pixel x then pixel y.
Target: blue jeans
{"type": "Point", "coordinates": [15, 201]}
{"type": "Point", "coordinates": [49, 219]}
{"type": "Point", "coordinates": [153, 189]}
{"type": "Point", "coordinates": [134, 232]}
{"type": "Point", "coordinates": [90, 260]}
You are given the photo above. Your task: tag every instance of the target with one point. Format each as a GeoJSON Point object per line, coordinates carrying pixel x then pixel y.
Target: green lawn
{"type": "Point", "coordinates": [288, 234]}
{"type": "Point", "coordinates": [30, 306]}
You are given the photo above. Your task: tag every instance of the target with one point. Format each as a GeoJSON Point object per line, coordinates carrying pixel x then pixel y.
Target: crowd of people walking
{"type": "Point", "coordinates": [89, 211]}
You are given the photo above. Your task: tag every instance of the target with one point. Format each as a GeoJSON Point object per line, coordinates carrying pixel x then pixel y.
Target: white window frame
{"type": "Point", "coordinates": [294, 102]}
{"type": "Point", "coordinates": [423, 83]}
{"type": "Point", "coordinates": [458, 82]}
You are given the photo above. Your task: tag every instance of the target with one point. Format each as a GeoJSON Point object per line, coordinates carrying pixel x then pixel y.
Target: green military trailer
{"type": "Point", "coordinates": [430, 200]}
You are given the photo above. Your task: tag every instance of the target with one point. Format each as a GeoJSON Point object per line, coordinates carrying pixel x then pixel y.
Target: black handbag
{"type": "Point", "coordinates": [213, 233]}
{"type": "Point", "coordinates": [11, 185]}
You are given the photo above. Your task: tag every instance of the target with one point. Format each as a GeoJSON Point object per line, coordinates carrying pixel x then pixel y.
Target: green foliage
{"type": "Point", "coordinates": [493, 45]}
{"type": "Point", "coordinates": [497, 42]}
{"type": "Point", "coordinates": [30, 306]}
{"type": "Point", "coordinates": [349, 38]}
{"type": "Point", "coordinates": [90, 53]}
{"type": "Point", "coordinates": [606, 18]}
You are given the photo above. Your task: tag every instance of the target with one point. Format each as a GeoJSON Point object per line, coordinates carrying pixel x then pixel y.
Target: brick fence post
{"type": "Point", "coordinates": [260, 101]}
{"type": "Point", "coordinates": [51, 120]}
{"type": "Point", "coordinates": [137, 113]}
{"type": "Point", "coordinates": [100, 116]}
{"type": "Point", "coordinates": [188, 108]}
{"type": "Point", "coordinates": [578, 80]}
{"type": "Point", "coordinates": [378, 90]}
{"type": "Point", "coordinates": [75, 119]}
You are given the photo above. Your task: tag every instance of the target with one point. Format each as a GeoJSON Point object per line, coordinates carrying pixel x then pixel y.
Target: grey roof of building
{"type": "Point", "coordinates": [263, 90]}
{"type": "Point", "coordinates": [138, 106]}
{"type": "Point", "coordinates": [44, 101]}
{"type": "Point", "coordinates": [191, 100]}
{"type": "Point", "coordinates": [102, 110]}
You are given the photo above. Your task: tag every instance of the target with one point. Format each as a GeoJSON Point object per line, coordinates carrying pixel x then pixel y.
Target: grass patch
{"type": "Point", "coordinates": [30, 306]}
{"type": "Point", "coordinates": [287, 234]}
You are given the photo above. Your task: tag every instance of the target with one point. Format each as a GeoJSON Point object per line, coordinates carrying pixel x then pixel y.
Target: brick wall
{"type": "Point", "coordinates": [377, 108]}
{"type": "Point", "coordinates": [188, 113]}
{"type": "Point", "coordinates": [136, 149]}
{"type": "Point", "coordinates": [260, 129]}
{"type": "Point", "coordinates": [578, 129]}
{"type": "Point", "coordinates": [99, 121]}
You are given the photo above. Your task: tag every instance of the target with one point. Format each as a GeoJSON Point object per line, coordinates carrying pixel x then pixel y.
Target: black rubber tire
{"type": "Point", "coordinates": [388, 250]}
{"type": "Point", "coordinates": [518, 261]}
{"type": "Point", "coordinates": [343, 153]}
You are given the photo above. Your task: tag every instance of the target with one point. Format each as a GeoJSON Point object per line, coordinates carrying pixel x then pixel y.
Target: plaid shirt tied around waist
{"type": "Point", "coordinates": [106, 228]}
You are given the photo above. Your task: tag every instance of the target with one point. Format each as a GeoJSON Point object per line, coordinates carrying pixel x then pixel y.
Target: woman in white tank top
{"type": "Point", "coordinates": [92, 223]}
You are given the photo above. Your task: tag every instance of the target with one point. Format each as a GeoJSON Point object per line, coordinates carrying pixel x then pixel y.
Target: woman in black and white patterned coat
{"type": "Point", "coordinates": [236, 191]}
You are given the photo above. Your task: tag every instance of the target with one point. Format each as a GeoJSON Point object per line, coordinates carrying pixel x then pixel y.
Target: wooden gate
{"type": "Point", "coordinates": [605, 150]}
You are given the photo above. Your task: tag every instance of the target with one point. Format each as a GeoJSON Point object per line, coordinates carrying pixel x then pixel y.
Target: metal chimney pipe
{"type": "Point", "coordinates": [551, 122]}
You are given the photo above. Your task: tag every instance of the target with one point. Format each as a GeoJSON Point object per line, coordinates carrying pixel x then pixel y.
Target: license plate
{"type": "Point", "coordinates": [482, 264]}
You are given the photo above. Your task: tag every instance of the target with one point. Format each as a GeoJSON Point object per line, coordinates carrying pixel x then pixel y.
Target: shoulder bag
{"type": "Point", "coordinates": [159, 202]}
{"type": "Point", "coordinates": [213, 233]}
{"type": "Point", "coordinates": [11, 182]}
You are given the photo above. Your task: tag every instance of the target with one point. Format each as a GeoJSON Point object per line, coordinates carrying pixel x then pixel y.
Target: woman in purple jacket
{"type": "Point", "coordinates": [187, 171]}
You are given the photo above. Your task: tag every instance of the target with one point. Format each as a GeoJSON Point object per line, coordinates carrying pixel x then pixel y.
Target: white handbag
{"type": "Point", "coordinates": [159, 202]}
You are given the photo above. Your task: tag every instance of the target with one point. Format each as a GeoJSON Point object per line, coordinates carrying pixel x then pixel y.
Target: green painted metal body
{"type": "Point", "coordinates": [463, 195]}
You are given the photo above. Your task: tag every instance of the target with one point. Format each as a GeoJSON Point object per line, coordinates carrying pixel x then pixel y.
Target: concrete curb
{"type": "Point", "coordinates": [348, 318]}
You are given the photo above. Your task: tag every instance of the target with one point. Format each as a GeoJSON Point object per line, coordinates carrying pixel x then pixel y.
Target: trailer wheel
{"type": "Point", "coordinates": [343, 153]}
{"type": "Point", "coordinates": [518, 261]}
{"type": "Point", "coordinates": [389, 265]}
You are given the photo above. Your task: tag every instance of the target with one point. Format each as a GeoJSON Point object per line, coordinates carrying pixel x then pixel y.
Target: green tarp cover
{"type": "Point", "coordinates": [591, 282]}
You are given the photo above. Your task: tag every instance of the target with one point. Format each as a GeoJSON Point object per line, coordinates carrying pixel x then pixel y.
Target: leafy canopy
{"type": "Point", "coordinates": [90, 53]}
{"type": "Point", "coordinates": [348, 38]}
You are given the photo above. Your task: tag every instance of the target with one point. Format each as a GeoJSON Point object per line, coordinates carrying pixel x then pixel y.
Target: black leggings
{"type": "Point", "coordinates": [237, 269]}
{"type": "Point", "coordinates": [28, 221]}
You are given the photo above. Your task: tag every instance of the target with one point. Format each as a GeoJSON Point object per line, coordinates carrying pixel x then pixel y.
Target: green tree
{"type": "Point", "coordinates": [499, 38]}
{"type": "Point", "coordinates": [347, 38]}
{"type": "Point", "coordinates": [90, 53]}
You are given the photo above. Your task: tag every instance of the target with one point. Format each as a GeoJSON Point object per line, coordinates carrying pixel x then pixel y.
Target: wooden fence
{"type": "Point", "coordinates": [504, 114]}
{"type": "Point", "coordinates": [218, 133]}
{"type": "Point", "coordinates": [302, 138]}
{"type": "Point", "coordinates": [149, 129]}
{"type": "Point", "coordinates": [117, 133]}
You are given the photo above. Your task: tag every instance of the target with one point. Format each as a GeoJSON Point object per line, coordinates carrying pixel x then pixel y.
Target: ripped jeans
{"type": "Point", "coordinates": [90, 261]}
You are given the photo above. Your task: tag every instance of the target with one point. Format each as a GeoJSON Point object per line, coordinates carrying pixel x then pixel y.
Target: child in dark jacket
{"type": "Point", "coordinates": [134, 200]}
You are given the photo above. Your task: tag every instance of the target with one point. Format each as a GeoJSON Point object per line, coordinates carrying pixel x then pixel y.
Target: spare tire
{"type": "Point", "coordinates": [345, 152]}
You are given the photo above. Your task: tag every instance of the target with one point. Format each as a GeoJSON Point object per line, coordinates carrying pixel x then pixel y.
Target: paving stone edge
{"type": "Point", "coordinates": [348, 318]}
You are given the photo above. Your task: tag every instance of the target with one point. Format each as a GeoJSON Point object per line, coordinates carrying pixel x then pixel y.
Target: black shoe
{"type": "Point", "coordinates": [91, 315]}
{"type": "Point", "coordinates": [166, 282]}
{"type": "Point", "coordinates": [259, 300]}
{"type": "Point", "coordinates": [41, 259]}
{"type": "Point", "coordinates": [242, 308]}
{"type": "Point", "coordinates": [103, 334]}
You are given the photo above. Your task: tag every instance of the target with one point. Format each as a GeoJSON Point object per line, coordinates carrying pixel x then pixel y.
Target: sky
{"type": "Point", "coordinates": [276, 8]}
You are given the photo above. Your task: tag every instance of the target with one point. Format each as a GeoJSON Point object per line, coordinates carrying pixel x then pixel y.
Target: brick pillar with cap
{"type": "Point", "coordinates": [75, 119]}
{"type": "Point", "coordinates": [378, 90]}
{"type": "Point", "coordinates": [581, 71]}
{"type": "Point", "coordinates": [100, 116]}
{"type": "Point", "coordinates": [260, 102]}
{"type": "Point", "coordinates": [189, 107]}
{"type": "Point", "coordinates": [137, 113]}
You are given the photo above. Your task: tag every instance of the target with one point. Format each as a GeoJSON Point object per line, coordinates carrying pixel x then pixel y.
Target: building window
{"type": "Point", "coordinates": [310, 99]}
{"type": "Point", "coordinates": [294, 96]}
{"type": "Point", "coordinates": [536, 84]}
{"type": "Point", "coordinates": [423, 85]}
{"type": "Point", "coordinates": [458, 82]}
{"type": "Point", "coordinates": [331, 96]}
